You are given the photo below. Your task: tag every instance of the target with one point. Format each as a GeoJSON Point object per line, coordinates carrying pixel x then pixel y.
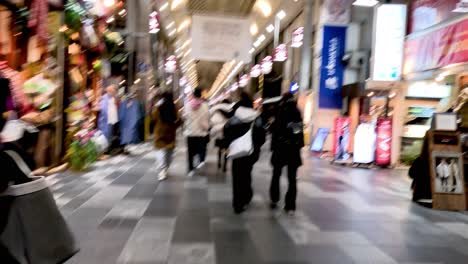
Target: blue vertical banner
{"type": "Point", "coordinates": [332, 70]}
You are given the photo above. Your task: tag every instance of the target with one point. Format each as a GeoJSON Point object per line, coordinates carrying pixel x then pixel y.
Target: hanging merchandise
{"type": "Point", "coordinates": [256, 71]}
{"type": "Point", "coordinates": [267, 64]}
{"type": "Point", "coordinates": [89, 37]}
{"type": "Point", "coordinates": [341, 141]}
{"type": "Point", "coordinates": [73, 14]}
{"type": "Point", "coordinates": [38, 19]}
{"type": "Point", "coordinates": [384, 142]}
{"type": "Point", "coordinates": [131, 116]}
{"type": "Point", "coordinates": [364, 144]}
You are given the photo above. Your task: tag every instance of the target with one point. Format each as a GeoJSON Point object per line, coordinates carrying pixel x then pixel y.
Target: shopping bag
{"type": "Point", "coordinates": [242, 146]}
{"type": "Point", "coordinates": [35, 231]}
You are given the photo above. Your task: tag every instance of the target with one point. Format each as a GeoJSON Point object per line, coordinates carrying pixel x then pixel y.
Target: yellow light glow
{"type": "Point", "coordinates": [264, 7]}
{"type": "Point", "coordinates": [184, 25]}
{"type": "Point", "coordinates": [253, 29]}
{"type": "Point", "coordinates": [176, 3]}
{"type": "Point", "coordinates": [109, 3]}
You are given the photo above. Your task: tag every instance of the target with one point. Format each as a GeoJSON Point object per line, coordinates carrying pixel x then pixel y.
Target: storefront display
{"type": "Point", "coordinates": [341, 139]}
{"type": "Point", "coordinates": [383, 152]}
{"type": "Point", "coordinates": [364, 144]}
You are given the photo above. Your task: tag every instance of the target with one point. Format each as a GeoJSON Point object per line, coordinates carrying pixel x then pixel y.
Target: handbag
{"type": "Point", "coordinates": [242, 146]}
{"type": "Point", "coordinates": [35, 231]}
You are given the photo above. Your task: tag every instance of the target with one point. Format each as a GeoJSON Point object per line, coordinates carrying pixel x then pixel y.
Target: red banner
{"type": "Point", "coordinates": [443, 47]}
{"type": "Point", "coordinates": [341, 140]}
{"type": "Point", "coordinates": [383, 152]}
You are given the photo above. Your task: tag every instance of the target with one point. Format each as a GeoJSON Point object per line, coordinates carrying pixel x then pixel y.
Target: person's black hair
{"type": "Point", "coordinates": [226, 101]}
{"type": "Point", "coordinates": [167, 109]}
{"type": "Point", "coordinates": [197, 92]}
{"type": "Point", "coordinates": [245, 100]}
{"type": "Point", "coordinates": [4, 95]}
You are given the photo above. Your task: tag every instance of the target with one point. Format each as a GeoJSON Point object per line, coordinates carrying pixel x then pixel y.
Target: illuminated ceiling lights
{"type": "Point", "coordinates": [253, 29]}
{"type": "Point", "coordinates": [252, 50]}
{"type": "Point", "coordinates": [264, 7]}
{"type": "Point", "coordinates": [184, 25]}
{"type": "Point", "coordinates": [164, 6]}
{"type": "Point", "coordinates": [281, 14]}
{"type": "Point", "coordinates": [170, 25]}
{"type": "Point", "coordinates": [109, 3]}
{"type": "Point", "coordinates": [172, 33]}
{"type": "Point", "coordinates": [176, 3]}
{"type": "Point", "coordinates": [462, 7]}
{"type": "Point", "coordinates": [367, 3]}
{"type": "Point", "coordinates": [270, 28]}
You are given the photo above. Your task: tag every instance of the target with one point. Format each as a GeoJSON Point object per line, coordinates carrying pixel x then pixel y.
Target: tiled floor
{"type": "Point", "coordinates": [119, 213]}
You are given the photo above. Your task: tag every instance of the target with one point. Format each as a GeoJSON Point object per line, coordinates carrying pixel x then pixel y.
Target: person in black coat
{"type": "Point", "coordinates": [286, 144]}
{"type": "Point", "coordinates": [244, 118]}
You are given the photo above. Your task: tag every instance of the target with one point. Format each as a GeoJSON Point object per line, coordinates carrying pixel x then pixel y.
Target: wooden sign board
{"type": "Point", "coordinates": [446, 167]}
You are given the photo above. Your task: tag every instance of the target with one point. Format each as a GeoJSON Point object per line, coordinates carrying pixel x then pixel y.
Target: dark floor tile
{"type": "Point", "coordinates": [163, 206]}
{"type": "Point", "coordinates": [112, 223]}
{"type": "Point", "coordinates": [142, 191]}
{"type": "Point", "coordinates": [128, 179]}
{"type": "Point", "coordinates": [234, 247]}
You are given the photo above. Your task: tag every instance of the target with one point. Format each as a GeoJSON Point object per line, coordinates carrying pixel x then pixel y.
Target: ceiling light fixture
{"type": "Point", "coordinates": [164, 6]}
{"type": "Point", "coordinates": [366, 3]}
{"type": "Point", "coordinates": [264, 7]}
{"type": "Point", "coordinates": [184, 25]}
{"type": "Point", "coordinates": [261, 38]}
{"type": "Point", "coordinates": [270, 28]}
{"type": "Point", "coordinates": [461, 7]}
{"type": "Point", "coordinates": [122, 12]}
{"type": "Point", "coordinates": [172, 33]}
{"type": "Point", "coordinates": [110, 20]}
{"type": "Point", "coordinates": [176, 3]}
{"type": "Point", "coordinates": [109, 3]}
{"type": "Point", "coordinates": [253, 29]}
{"type": "Point", "coordinates": [281, 14]}
{"type": "Point", "coordinates": [252, 50]}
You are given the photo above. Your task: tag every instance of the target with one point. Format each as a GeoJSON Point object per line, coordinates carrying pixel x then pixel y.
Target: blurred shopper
{"type": "Point", "coordinates": [197, 128]}
{"type": "Point", "coordinates": [108, 121]}
{"type": "Point", "coordinates": [166, 121]}
{"type": "Point", "coordinates": [220, 114]}
{"type": "Point", "coordinates": [286, 144]}
{"type": "Point", "coordinates": [245, 134]}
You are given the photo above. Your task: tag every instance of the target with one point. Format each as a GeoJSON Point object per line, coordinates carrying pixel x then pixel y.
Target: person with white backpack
{"type": "Point", "coordinates": [245, 135]}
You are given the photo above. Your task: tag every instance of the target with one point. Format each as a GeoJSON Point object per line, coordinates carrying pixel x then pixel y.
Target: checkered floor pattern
{"type": "Point", "coordinates": [120, 213]}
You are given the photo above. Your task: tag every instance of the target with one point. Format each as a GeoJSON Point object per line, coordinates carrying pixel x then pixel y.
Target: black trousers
{"type": "Point", "coordinates": [196, 146]}
{"type": "Point", "coordinates": [242, 191]}
{"type": "Point", "coordinates": [222, 158]}
{"type": "Point", "coordinates": [290, 200]}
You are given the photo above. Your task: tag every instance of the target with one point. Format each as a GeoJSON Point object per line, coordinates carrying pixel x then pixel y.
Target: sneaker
{"type": "Point", "coordinates": [201, 165]}
{"type": "Point", "coordinates": [162, 175]}
{"type": "Point", "coordinates": [289, 212]}
{"type": "Point", "coordinates": [191, 174]}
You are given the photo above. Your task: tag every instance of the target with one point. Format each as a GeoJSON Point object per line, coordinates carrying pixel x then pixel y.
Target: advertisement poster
{"type": "Point", "coordinates": [427, 13]}
{"type": "Point", "coordinates": [319, 139]}
{"type": "Point", "coordinates": [390, 29]}
{"type": "Point", "coordinates": [281, 53]}
{"type": "Point", "coordinates": [341, 140]}
{"type": "Point", "coordinates": [216, 38]}
{"type": "Point", "coordinates": [383, 152]}
{"type": "Point", "coordinates": [336, 12]}
{"type": "Point", "coordinates": [331, 72]}
{"type": "Point", "coordinates": [297, 37]}
{"type": "Point", "coordinates": [436, 49]}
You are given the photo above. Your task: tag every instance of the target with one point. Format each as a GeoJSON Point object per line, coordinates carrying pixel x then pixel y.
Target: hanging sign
{"type": "Point", "coordinates": [383, 153]}
{"type": "Point", "coordinates": [281, 53]}
{"type": "Point", "coordinates": [427, 13]}
{"type": "Point", "coordinates": [244, 80]}
{"type": "Point", "coordinates": [154, 22]}
{"type": "Point", "coordinates": [297, 37]}
{"type": "Point", "coordinates": [171, 64]}
{"type": "Point", "coordinates": [267, 64]}
{"type": "Point", "coordinates": [331, 72]}
{"type": "Point", "coordinates": [256, 71]}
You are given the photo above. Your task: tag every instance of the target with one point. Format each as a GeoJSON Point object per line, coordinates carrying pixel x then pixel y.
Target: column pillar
{"type": "Point", "coordinates": [306, 52]}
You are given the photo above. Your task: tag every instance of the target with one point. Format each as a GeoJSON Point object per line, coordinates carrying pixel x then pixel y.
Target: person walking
{"type": "Point", "coordinates": [245, 122]}
{"type": "Point", "coordinates": [287, 141]}
{"type": "Point", "coordinates": [197, 128]}
{"type": "Point", "coordinates": [166, 121]}
{"type": "Point", "coordinates": [220, 114]}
